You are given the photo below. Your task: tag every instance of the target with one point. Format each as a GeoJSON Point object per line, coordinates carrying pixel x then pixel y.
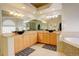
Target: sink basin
{"type": "Point", "coordinates": [51, 31]}
{"type": "Point", "coordinates": [20, 32]}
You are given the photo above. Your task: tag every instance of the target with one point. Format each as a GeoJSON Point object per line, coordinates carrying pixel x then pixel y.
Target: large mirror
{"type": "Point", "coordinates": [49, 24]}
{"type": "Point", "coordinates": [36, 25]}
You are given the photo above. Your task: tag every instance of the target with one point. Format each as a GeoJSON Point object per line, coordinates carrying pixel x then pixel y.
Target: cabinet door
{"type": "Point", "coordinates": [40, 37]}
{"type": "Point", "coordinates": [46, 37]}
{"type": "Point", "coordinates": [26, 41]}
{"type": "Point", "coordinates": [21, 42]}
{"type": "Point", "coordinates": [43, 37]}
{"type": "Point", "coordinates": [16, 43]}
{"type": "Point", "coordinates": [33, 38]}
{"type": "Point", "coordinates": [53, 38]}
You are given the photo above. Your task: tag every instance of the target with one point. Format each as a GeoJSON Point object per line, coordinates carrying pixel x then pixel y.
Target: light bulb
{"type": "Point", "coordinates": [23, 7]}
{"type": "Point", "coordinates": [11, 12]}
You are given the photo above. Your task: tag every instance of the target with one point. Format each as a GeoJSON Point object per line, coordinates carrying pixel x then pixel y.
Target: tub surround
{"type": "Point", "coordinates": [68, 43]}
{"type": "Point", "coordinates": [71, 38]}
{"type": "Point", "coordinates": [72, 41]}
{"type": "Point", "coordinates": [68, 49]}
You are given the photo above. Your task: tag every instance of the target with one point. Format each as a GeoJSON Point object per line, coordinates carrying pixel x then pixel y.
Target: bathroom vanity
{"type": "Point", "coordinates": [48, 37]}
{"type": "Point", "coordinates": [14, 43]}
{"type": "Point", "coordinates": [25, 40]}
{"type": "Point", "coordinates": [29, 38]}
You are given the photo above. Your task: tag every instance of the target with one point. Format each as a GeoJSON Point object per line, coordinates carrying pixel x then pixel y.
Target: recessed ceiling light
{"type": "Point", "coordinates": [23, 7]}
{"type": "Point", "coordinates": [20, 15]}
{"type": "Point", "coordinates": [44, 21]}
{"type": "Point", "coordinates": [11, 12]}
{"type": "Point", "coordinates": [15, 14]}
{"type": "Point", "coordinates": [26, 21]}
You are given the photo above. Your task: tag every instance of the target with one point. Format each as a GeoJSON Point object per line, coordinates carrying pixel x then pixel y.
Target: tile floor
{"type": "Point", "coordinates": [39, 51]}
{"type": "Point", "coordinates": [25, 52]}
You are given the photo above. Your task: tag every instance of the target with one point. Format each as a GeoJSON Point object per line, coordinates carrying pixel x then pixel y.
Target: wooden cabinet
{"type": "Point", "coordinates": [25, 40]}
{"type": "Point", "coordinates": [40, 37]}
{"type": "Point", "coordinates": [29, 38]}
{"type": "Point", "coordinates": [43, 37]}
{"type": "Point", "coordinates": [47, 37]}
{"type": "Point", "coordinates": [18, 43]}
{"type": "Point", "coordinates": [33, 39]}
{"type": "Point", "coordinates": [53, 38]}
{"type": "Point", "coordinates": [21, 41]}
{"type": "Point", "coordinates": [16, 48]}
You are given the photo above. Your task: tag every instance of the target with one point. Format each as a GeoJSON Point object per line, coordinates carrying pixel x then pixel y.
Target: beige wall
{"type": "Point", "coordinates": [70, 17]}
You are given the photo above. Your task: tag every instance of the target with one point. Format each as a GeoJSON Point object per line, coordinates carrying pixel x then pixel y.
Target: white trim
{"type": "Point", "coordinates": [10, 46]}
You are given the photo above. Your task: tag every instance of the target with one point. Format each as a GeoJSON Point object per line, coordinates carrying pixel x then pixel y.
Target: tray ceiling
{"type": "Point", "coordinates": [37, 5]}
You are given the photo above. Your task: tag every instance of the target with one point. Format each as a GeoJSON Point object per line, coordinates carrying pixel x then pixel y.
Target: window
{"type": "Point", "coordinates": [8, 26]}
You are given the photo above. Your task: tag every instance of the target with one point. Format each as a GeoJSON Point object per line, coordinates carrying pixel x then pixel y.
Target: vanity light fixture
{"type": "Point", "coordinates": [55, 16]}
{"type": "Point", "coordinates": [49, 17]}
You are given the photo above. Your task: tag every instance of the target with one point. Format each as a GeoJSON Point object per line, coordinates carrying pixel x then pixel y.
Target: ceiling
{"type": "Point", "coordinates": [33, 10]}
{"type": "Point", "coordinates": [37, 5]}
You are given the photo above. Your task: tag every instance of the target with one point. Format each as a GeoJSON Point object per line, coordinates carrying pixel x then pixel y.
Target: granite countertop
{"type": "Point", "coordinates": [7, 34]}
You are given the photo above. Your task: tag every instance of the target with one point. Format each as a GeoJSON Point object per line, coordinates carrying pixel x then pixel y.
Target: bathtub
{"type": "Point", "coordinates": [72, 41]}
